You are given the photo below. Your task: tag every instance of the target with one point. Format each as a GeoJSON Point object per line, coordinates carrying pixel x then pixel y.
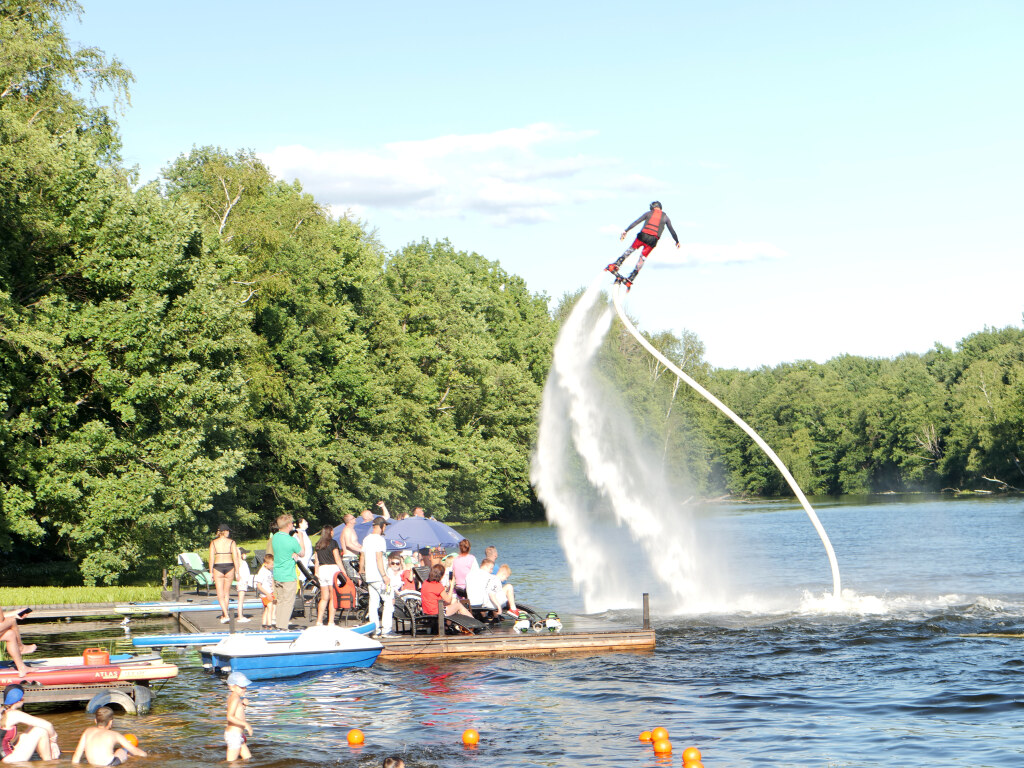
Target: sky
{"type": "Point", "coordinates": [845, 178]}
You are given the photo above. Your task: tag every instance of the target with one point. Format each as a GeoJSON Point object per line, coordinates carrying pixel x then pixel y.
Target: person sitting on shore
{"type": "Point", "coordinates": [498, 595]}
{"type": "Point", "coordinates": [434, 593]}
{"type": "Point", "coordinates": [102, 745]}
{"type": "Point", "coordinates": [39, 736]}
{"type": "Point", "coordinates": [10, 634]}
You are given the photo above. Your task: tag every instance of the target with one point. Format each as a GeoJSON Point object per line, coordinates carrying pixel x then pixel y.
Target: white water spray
{"type": "Point", "coordinates": [599, 486]}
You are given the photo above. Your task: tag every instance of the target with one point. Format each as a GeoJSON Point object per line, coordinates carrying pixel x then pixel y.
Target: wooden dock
{"type": "Point", "coordinates": [579, 635]}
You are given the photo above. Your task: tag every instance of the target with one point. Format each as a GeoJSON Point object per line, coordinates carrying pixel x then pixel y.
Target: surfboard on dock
{"type": "Point", "coordinates": [160, 606]}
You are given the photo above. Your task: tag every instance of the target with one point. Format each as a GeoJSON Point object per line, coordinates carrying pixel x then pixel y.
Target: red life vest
{"type": "Point", "coordinates": [653, 223]}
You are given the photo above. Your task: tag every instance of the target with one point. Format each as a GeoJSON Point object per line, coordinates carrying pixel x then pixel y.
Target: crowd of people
{"type": "Point", "coordinates": [456, 584]}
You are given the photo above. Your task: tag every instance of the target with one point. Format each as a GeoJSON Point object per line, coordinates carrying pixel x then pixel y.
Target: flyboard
{"type": "Point", "coordinates": [616, 298]}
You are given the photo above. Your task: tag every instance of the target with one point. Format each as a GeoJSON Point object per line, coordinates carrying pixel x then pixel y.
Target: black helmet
{"type": "Point", "coordinates": [655, 204]}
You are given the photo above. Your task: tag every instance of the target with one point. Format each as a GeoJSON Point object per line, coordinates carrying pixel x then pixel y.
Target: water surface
{"type": "Point", "coordinates": [776, 674]}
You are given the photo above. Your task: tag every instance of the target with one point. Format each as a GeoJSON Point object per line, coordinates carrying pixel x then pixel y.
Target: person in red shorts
{"type": "Point", "coordinates": [655, 221]}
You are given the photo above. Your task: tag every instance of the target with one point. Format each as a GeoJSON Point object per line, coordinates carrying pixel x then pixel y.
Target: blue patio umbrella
{"type": "Point", "coordinates": [419, 532]}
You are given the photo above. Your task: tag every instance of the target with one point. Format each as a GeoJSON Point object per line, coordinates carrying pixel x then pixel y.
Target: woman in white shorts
{"type": "Point", "coordinates": [326, 564]}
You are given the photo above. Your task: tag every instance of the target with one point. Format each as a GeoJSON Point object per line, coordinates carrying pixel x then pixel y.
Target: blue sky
{"type": "Point", "coordinates": [844, 177]}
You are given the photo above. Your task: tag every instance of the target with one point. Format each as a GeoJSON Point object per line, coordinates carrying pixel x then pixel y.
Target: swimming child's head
{"type": "Point", "coordinates": [104, 717]}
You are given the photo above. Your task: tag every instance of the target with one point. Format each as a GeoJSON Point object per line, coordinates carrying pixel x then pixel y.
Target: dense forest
{"type": "Point", "coordinates": [215, 346]}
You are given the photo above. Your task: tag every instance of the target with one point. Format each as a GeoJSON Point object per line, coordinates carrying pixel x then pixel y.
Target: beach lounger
{"type": "Point", "coordinates": [194, 569]}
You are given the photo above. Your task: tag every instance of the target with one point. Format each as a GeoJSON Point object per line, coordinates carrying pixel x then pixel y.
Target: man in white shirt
{"type": "Point", "coordinates": [476, 582]}
{"type": "Point", "coordinates": [372, 567]}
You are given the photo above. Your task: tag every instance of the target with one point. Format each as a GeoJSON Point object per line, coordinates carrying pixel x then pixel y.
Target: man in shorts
{"type": "Point", "coordinates": [655, 221]}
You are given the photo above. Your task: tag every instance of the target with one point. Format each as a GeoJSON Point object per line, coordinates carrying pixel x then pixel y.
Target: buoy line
{"type": "Point", "coordinates": [616, 293]}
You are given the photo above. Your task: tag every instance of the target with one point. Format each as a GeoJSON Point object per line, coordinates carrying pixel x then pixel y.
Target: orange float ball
{"type": "Point", "coordinates": [662, 747]}
{"type": "Point", "coordinates": [691, 755]}
{"type": "Point", "coordinates": [355, 737]}
{"type": "Point", "coordinates": [645, 736]}
{"type": "Point", "coordinates": [659, 734]}
{"type": "Point", "coordinates": [132, 739]}
{"type": "Point", "coordinates": [471, 737]}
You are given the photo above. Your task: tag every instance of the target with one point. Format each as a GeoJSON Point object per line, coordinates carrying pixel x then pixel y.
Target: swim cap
{"type": "Point", "coordinates": [237, 678]}
{"type": "Point", "coordinates": [13, 694]}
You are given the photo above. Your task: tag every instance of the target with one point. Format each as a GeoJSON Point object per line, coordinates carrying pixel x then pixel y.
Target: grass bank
{"type": "Point", "coordinates": [11, 596]}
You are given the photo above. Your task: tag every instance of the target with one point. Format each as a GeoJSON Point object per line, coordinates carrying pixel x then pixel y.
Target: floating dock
{"type": "Point", "coordinates": [579, 635]}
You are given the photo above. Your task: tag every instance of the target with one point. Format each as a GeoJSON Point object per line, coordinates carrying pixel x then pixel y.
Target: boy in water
{"type": "Point", "coordinates": [102, 745]}
{"type": "Point", "coordinates": [394, 762]}
{"type": "Point", "coordinates": [265, 588]}
{"type": "Point", "coordinates": [238, 727]}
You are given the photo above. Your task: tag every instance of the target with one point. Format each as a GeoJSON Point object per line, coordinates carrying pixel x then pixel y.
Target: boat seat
{"type": "Point", "coordinates": [195, 570]}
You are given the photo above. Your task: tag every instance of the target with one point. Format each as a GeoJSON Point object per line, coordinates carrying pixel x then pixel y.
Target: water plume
{"type": "Point", "coordinates": [618, 520]}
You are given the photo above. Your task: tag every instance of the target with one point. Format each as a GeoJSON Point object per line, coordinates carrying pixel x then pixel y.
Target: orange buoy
{"type": "Point", "coordinates": [355, 737]}
{"type": "Point", "coordinates": [471, 737]}
{"type": "Point", "coordinates": [132, 739]}
{"type": "Point", "coordinates": [662, 747]}
{"type": "Point", "coordinates": [691, 757]}
{"type": "Point", "coordinates": [659, 734]}
{"type": "Point", "coordinates": [645, 736]}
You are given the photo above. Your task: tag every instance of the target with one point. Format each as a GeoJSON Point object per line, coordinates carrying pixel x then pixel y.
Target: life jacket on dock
{"type": "Point", "coordinates": [344, 592]}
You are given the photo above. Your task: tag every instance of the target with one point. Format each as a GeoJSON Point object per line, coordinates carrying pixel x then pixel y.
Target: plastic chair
{"type": "Point", "coordinates": [194, 569]}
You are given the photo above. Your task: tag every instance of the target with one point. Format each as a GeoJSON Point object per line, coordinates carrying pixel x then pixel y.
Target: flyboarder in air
{"type": "Point", "coordinates": [655, 221]}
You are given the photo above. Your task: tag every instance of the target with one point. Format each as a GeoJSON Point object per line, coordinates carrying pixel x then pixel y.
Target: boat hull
{"type": "Point", "coordinates": [317, 649]}
{"type": "Point", "coordinates": [280, 666]}
{"type": "Point", "coordinates": [52, 672]}
{"type": "Point", "coordinates": [210, 638]}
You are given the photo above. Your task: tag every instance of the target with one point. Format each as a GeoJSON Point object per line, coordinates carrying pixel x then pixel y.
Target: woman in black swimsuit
{"type": "Point", "coordinates": [223, 565]}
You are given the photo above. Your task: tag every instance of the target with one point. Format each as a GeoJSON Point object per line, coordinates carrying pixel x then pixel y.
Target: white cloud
{"type": "Point", "coordinates": [511, 176]}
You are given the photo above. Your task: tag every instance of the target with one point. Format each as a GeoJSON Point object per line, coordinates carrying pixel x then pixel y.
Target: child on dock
{"type": "Point", "coordinates": [102, 745]}
{"type": "Point", "coordinates": [265, 588]}
{"type": "Point", "coordinates": [238, 727]}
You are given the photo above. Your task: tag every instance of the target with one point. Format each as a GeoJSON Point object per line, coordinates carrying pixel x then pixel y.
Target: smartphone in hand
{"type": "Point", "coordinates": [24, 612]}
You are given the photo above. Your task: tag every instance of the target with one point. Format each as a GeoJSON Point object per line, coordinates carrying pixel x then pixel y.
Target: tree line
{"type": "Point", "coordinates": [216, 346]}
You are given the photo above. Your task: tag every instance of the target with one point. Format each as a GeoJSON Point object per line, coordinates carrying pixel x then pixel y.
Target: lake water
{"type": "Point", "coordinates": [777, 673]}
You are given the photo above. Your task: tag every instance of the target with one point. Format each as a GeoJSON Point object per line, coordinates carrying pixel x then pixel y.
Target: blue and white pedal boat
{"type": "Point", "coordinates": [317, 649]}
{"type": "Point", "coordinates": [211, 638]}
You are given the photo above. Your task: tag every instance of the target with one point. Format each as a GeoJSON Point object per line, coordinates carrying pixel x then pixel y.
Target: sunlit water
{"type": "Point", "coordinates": [777, 674]}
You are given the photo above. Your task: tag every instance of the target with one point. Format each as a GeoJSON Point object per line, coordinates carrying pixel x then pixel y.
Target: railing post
{"type": "Point", "coordinates": [647, 611]}
{"type": "Point", "coordinates": [176, 588]}
{"type": "Point", "coordinates": [440, 619]}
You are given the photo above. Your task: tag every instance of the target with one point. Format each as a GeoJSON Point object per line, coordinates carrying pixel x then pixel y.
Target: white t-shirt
{"type": "Point", "coordinates": [265, 580]}
{"type": "Point", "coordinates": [372, 544]}
{"type": "Point", "coordinates": [476, 585]}
{"type": "Point", "coordinates": [244, 577]}
{"type": "Point", "coordinates": [494, 595]}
